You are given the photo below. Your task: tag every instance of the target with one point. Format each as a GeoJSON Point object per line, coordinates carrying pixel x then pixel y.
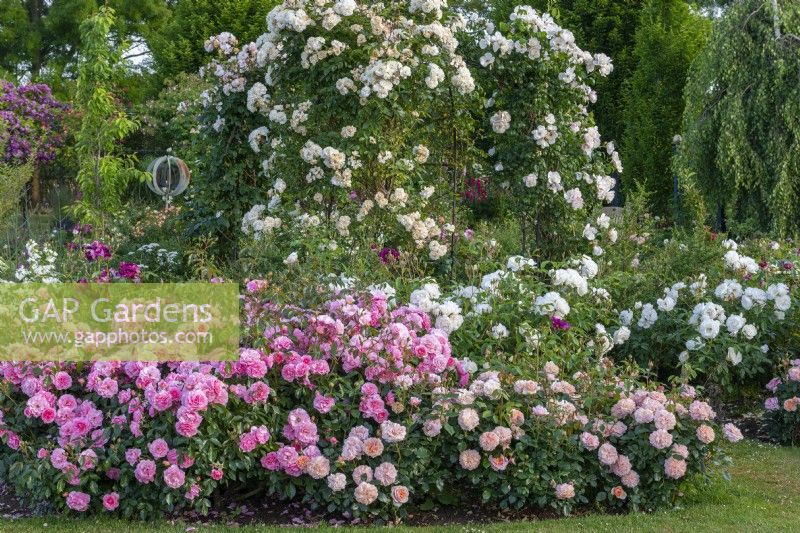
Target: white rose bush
{"type": "Point", "coordinates": [544, 148]}
{"type": "Point", "coordinates": [716, 326]}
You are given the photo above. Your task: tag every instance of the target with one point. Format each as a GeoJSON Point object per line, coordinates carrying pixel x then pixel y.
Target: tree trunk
{"type": "Point", "coordinates": [36, 186]}
{"type": "Point", "coordinates": [35, 18]}
{"type": "Point", "coordinates": [776, 20]}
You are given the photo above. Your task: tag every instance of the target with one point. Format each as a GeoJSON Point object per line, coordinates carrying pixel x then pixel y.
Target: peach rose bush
{"type": "Point", "coordinates": [357, 406]}
{"type": "Point", "coordinates": [781, 406]}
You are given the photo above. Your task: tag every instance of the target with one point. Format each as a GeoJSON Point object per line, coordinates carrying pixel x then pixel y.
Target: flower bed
{"type": "Point", "coordinates": [358, 407]}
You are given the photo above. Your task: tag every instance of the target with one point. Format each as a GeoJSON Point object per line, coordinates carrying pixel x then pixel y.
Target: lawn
{"type": "Point", "coordinates": [762, 496]}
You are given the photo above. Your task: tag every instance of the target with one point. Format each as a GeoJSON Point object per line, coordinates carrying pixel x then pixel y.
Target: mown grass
{"type": "Point", "coordinates": [763, 495]}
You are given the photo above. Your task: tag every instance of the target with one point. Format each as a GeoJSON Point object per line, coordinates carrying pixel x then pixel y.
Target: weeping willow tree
{"type": "Point", "coordinates": [741, 141]}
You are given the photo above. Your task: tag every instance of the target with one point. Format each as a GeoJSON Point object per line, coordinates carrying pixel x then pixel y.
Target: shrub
{"type": "Point", "coordinates": [357, 406]}
{"type": "Point", "coordinates": [523, 314]}
{"type": "Point", "coordinates": [717, 325]}
{"type": "Point", "coordinates": [782, 418]}
{"type": "Point", "coordinates": [32, 120]}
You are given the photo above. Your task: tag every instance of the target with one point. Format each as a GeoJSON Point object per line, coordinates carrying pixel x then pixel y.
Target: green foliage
{"type": "Point", "coordinates": [170, 120]}
{"type": "Point", "coordinates": [13, 178]}
{"type": "Point", "coordinates": [741, 141]}
{"type": "Point", "coordinates": [669, 36]}
{"type": "Point", "coordinates": [103, 174]}
{"type": "Point", "coordinates": [226, 183]}
{"type": "Point", "coordinates": [606, 26]}
{"type": "Point", "coordinates": [179, 48]}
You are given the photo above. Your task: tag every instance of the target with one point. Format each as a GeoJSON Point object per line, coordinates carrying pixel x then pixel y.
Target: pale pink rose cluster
{"type": "Point", "coordinates": [565, 491]}
{"type": "Point", "coordinates": [526, 387]}
{"type": "Point", "coordinates": [257, 435]}
{"type": "Point", "coordinates": [393, 432]}
{"type": "Point", "coordinates": [700, 411]}
{"type": "Point", "coordinates": [783, 400]}
{"type": "Point", "coordinates": [367, 492]}
{"type": "Point", "coordinates": [353, 446]}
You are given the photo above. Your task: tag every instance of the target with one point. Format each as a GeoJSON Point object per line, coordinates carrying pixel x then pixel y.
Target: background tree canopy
{"type": "Point", "coordinates": [741, 144]}
{"type": "Point", "coordinates": [40, 40]}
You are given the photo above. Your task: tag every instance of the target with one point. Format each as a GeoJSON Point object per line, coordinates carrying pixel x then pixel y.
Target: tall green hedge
{"type": "Point", "coordinates": [669, 36]}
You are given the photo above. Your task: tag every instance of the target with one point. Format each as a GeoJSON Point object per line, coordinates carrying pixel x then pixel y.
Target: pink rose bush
{"type": "Point", "coordinates": [781, 406]}
{"type": "Point", "coordinates": [357, 405]}
{"type": "Point", "coordinates": [604, 454]}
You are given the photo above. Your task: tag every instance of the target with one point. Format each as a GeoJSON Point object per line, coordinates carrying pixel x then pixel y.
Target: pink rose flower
{"type": "Point", "coordinates": [565, 491]}
{"type": "Point", "coordinates": [705, 434]}
{"type": "Point", "coordinates": [145, 471]}
{"type": "Point", "coordinates": [489, 441]}
{"type": "Point", "coordinates": [675, 468]}
{"type": "Point", "coordinates": [366, 493]}
{"type": "Point", "coordinates": [78, 501]}
{"type": "Point", "coordinates": [468, 419]}
{"type": "Point", "coordinates": [111, 501]}
{"type": "Point", "coordinates": [660, 439]}
{"type": "Point", "coordinates": [385, 474]}
{"type": "Point", "coordinates": [607, 454]}
{"type": "Point", "coordinates": [62, 380]}
{"type": "Point", "coordinates": [589, 441]}
{"type": "Point", "coordinates": [158, 448]}
{"type": "Point", "coordinates": [630, 480]}
{"type": "Point", "coordinates": [399, 495]}
{"type": "Point", "coordinates": [174, 477]}
{"type": "Point", "coordinates": [732, 433]}
{"type": "Point", "coordinates": [323, 404]}
{"type": "Point", "coordinates": [469, 459]}
{"type": "Point", "coordinates": [498, 462]}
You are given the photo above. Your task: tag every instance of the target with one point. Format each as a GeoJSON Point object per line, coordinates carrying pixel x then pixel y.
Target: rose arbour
{"type": "Point", "coordinates": [407, 90]}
